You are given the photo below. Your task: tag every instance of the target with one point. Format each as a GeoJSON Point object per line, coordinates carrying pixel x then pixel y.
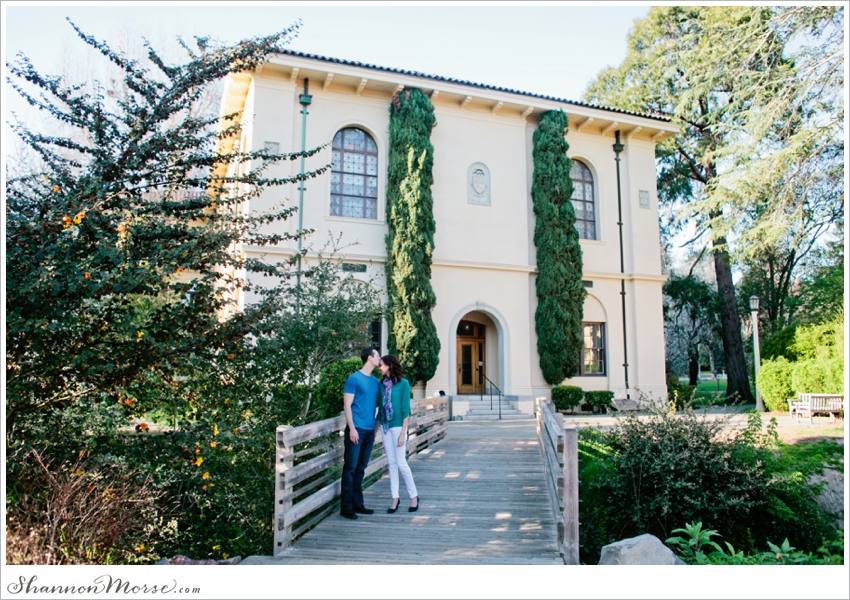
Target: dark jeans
{"type": "Point", "coordinates": [356, 459]}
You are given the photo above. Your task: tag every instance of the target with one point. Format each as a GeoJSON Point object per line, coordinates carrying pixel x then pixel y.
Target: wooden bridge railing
{"type": "Point", "coordinates": [308, 466]}
{"type": "Point", "coordinates": [559, 447]}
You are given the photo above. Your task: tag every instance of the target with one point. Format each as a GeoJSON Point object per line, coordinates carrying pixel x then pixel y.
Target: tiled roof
{"type": "Point", "coordinates": [353, 63]}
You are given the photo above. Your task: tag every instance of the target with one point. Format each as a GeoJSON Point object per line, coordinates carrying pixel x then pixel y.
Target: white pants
{"type": "Point", "coordinates": [396, 462]}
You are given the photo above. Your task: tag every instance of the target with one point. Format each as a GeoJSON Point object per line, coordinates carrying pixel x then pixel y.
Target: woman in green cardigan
{"type": "Point", "coordinates": [394, 415]}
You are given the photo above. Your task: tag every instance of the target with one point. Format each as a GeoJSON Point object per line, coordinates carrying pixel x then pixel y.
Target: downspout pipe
{"type": "Point", "coordinates": [618, 147]}
{"type": "Point", "coordinates": [305, 100]}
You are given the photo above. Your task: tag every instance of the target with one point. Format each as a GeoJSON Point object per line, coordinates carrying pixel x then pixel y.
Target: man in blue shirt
{"type": "Point", "coordinates": [360, 397]}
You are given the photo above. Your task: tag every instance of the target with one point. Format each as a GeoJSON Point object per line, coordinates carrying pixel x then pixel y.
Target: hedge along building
{"type": "Point", "coordinates": [484, 257]}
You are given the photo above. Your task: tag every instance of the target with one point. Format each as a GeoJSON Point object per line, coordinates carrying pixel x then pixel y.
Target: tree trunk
{"type": "Point", "coordinates": [693, 369]}
{"type": "Point", "coordinates": [737, 381]}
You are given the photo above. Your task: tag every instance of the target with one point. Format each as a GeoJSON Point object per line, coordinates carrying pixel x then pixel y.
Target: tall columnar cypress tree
{"type": "Point", "coordinates": [410, 241]}
{"type": "Point", "coordinates": [560, 292]}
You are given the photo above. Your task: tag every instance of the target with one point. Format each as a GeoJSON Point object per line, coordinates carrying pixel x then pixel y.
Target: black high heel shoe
{"type": "Point", "coordinates": [414, 508]}
{"type": "Point", "coordinates": [391, 510]}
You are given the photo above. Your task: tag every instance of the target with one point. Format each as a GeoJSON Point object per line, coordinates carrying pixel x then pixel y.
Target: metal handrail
{"type": "Point", "coordinates": [492, 385]}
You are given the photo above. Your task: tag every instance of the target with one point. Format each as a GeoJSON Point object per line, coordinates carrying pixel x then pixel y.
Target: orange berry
{"type": "Point", "coordinates": [86, 274]}
{"type": "Point", "coordinates": [121, 228]}
{"type": "Point", "coordinates": [55, 188]}
{"type": "Point", "coordinates": [179, 270]}
{"type": "Point", "coordinates": [212, 444]}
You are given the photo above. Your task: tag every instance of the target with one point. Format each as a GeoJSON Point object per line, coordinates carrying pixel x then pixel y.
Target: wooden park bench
{"type": "Point", "coordinates": [811, 404]}
{"type": "Point", "coordinates": [793, 403]}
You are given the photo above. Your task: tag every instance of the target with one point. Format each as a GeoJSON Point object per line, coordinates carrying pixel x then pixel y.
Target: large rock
{"type": "Point", "coordinates": [831, 496]}
{"type": "Point", "coordinates": [644, 549]}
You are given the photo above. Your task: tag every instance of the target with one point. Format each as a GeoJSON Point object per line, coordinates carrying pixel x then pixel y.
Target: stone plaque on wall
{"type": "Point", "coordinates": [478, 184]}
{"type": "Point", "coordinates": [643, 196]}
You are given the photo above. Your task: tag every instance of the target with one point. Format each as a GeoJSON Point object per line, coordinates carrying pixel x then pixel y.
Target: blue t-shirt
{"type": "Point", "coordinates": [365, 390]}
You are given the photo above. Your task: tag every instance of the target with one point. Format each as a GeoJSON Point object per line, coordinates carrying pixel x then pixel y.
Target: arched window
{"type": "Point", "coordinates": [354, 175]}
{"type": "Point", "coordinates": [583, 195]}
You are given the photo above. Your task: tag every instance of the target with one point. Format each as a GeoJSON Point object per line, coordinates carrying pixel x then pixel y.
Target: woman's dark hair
{"type": "Point", "coordinates": [395, 367]}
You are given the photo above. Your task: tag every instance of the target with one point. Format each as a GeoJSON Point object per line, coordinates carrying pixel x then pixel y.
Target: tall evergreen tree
{"type": "Point", "coordinates": [760, 126]}
{"type": "Point", "coordinates": [758, 92]}
{"type": "Point", "coordinates": [560, 292]}
{"type": "Point", "coordinates": [410, 240]}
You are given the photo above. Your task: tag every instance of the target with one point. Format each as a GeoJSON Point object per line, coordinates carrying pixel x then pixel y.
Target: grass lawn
{"type": "Point", "coordinates": [712, 388]}
{"type": "Point", "coordinates": [711, 385]}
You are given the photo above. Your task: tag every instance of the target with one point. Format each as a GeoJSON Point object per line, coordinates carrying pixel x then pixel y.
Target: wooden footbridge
{"type": "Point", "coordinates": [491, 492]}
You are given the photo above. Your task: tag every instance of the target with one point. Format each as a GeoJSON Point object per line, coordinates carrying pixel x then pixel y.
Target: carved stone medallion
{"type": "Point", "coordinates": [478, 184]}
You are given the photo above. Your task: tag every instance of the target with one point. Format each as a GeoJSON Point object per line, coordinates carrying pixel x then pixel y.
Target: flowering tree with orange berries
{"type": "Point", "coordinates": [123, 270]}
{"type": "Point", "coordinates": [121, 245]}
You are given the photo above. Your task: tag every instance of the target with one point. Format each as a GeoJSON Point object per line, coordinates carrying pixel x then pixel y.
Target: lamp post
{"type": "Point", "coordinates": [618, 147]}
{"type": "Point", "coordinates": [305, 100]}
{"type": "Point", "coordinates": [754, 311]}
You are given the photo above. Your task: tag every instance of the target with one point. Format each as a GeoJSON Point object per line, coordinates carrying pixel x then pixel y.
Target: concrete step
{"type": "Point", "coordinates": [493, 411]}
{"type": "Point", "coordinates": [495, 417]}
{"type": "Point", "coordinates": [486, 402]}
{"type": "Point", "coordinates": [477, 398]}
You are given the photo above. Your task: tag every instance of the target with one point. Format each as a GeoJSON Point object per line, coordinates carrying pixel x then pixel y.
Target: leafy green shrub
{"type": "Point", "coordinates": [780, 344]}
{"type": "Point", "coordinates": [647, 476]}
{"type": "Point", "coordinates": [680, 394]}
{"type": "Point", "coordinates": [567, 397]}
{"type": "Point", "coordinates": [824, 339]}
{"type": "Point", "coordinates": [818, 376]}
{"type": "Point", "coordinates": [774, 383]}
{"type": "Point", "coordinates": [697, 547]}
{"type": "Point", "coordinates": [599, 400]}
{"type": "Point", "coordinates": [331, 383]}
{"type": "Point", "coordinates": [818, 368]}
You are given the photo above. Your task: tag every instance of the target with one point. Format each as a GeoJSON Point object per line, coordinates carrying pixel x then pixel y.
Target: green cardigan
{"type": "Point", "coordinates": [400, 398]}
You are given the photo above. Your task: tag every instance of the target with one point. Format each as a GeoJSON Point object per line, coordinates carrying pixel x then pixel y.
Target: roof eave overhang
{"type": "Point", "coordinates": [377, 82]}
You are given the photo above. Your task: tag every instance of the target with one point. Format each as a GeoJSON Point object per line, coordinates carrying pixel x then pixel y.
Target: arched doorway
{"type": "Point", "coordinates": [478, 351]}
{"type": "Point", "coordinates": [471, 357]}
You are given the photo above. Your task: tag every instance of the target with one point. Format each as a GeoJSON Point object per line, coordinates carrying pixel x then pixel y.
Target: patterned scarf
{"type": "Point", "coordinates": [387, 412]}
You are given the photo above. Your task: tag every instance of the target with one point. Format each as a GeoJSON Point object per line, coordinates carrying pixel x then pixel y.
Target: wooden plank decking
{"type": "Point", "coordinates": [483, 501]}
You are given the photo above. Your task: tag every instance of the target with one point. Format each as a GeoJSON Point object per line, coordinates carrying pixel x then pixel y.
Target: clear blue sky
{"type": "Point", "coordinates": [553, 50]}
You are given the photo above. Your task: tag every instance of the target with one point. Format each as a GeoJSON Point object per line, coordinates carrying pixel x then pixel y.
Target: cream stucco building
{"type": "Point", "coordinates": [483, 271]}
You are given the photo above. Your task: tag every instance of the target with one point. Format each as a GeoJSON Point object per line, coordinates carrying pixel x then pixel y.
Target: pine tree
{"type": "Point", "coordinates": [122, 248]}
{"type": "Point", "coordinates": [758, 95]}
{"type": "Point", "coordinates": [560, 292]}
{"type": "Point", "coordinates": [410, 240]}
